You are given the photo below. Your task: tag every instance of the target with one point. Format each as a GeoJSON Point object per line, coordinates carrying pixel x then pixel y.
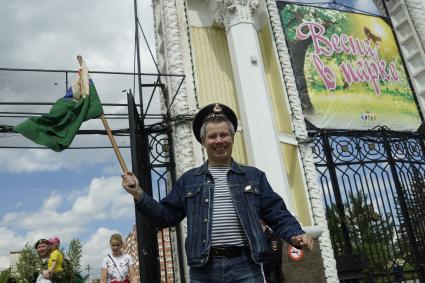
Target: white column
{"type": "Point", "coordinates": [258, 124]}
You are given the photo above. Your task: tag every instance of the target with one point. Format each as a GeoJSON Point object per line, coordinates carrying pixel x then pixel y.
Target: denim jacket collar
{"type": "Point", "coordinates": [203, 169]}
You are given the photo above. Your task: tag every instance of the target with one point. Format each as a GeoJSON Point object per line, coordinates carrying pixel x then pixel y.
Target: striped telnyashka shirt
{"type": "Point", "coordinates": [226, 226]}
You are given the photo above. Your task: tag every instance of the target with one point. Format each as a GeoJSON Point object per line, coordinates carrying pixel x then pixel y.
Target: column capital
{"type": "Point", "coordinates": [231, 12]}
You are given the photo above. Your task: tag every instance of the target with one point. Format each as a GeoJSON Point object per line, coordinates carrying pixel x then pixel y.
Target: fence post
{"type": "Point", "coordinates": [147, 241]}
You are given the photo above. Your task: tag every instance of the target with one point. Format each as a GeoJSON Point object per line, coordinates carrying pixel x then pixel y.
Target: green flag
{"type": "Point", "coordinates": [57, 129]}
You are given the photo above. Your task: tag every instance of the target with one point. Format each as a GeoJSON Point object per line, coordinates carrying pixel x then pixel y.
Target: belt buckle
{"type": "Point", "coordinates": [220, 252]}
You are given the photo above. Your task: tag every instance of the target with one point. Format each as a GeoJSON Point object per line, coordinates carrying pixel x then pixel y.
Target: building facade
{"type": "Point", "coordinates": [234, 52]}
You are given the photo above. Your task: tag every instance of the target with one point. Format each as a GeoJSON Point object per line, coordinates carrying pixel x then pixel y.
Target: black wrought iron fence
{"type": "Point", "coordinates": [374, 191]}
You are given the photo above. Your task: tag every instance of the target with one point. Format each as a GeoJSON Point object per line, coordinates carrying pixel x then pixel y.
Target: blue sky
{"type": "Point", "coordinates": [76, 193]}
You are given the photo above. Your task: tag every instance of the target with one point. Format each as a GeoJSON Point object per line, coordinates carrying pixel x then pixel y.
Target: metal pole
{"type": "Point", "coordinates": [348, 248]}
{"type": "Point", "coordinates": [137, 46]}
{"type": "Point", "coordinates": [180, 240]}
{"type": "Point", "coordinates": [66, 81]}
{"type": "Point", "coordinates": [146, 234]}
{"type": "Point", "coordinates": [147, 241]}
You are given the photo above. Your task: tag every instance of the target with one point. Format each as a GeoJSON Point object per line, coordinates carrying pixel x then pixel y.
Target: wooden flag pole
{"type": "Point", "coordinates": [114, 144]}
{"type": "Point", "coordinates": [108, 130]}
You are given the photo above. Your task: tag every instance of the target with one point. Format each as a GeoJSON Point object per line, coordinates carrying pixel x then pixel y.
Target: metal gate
{"type": "Point", "coordinates": [373, 186]}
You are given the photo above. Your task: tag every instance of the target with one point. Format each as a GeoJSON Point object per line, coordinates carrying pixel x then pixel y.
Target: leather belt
{"type": "Point", "coordinates": [229, 252]}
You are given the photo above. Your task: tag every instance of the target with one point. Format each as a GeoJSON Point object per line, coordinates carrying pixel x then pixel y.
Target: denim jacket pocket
{"type": "Point", "coordinates": [191, 191]}
{"type": "Point", "coordinates": [252, 193]}
{"type": "Point", "coordinates": [193, 199]}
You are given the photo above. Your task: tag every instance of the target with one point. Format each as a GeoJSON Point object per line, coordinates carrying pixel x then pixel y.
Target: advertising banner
{"type": "Point", "coordinates": [348, 69]}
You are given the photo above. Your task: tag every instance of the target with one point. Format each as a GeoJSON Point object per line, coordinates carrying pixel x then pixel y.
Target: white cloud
{"type": "Point", "coordinates": [104, 199]}
{"type": "Point", "coordinates": [53, 202]}
{"type": "Point", "coordinates": [36, 160]}
{"type": "Point", "coordinates": [29, 160]}
{"type": "Point", "coordinates": [58, 30]}
{"type": "Point", "coordinates": [95, 249]}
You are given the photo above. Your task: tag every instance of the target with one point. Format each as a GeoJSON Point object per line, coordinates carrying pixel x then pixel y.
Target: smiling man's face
{"type": "Point", "coordinates": [43, 250]}
{"type": "Point", "coordinates": [218, 142]}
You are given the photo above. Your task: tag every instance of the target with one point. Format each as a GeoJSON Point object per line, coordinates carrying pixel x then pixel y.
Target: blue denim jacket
{"type": "Point", "coordinates": [192, 197]}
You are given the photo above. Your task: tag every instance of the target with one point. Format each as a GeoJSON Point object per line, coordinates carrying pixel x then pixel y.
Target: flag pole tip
{"type": "Point", "coordinates": [80, 59]}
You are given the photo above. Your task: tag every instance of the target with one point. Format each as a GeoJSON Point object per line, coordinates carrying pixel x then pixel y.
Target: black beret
{"type": "Point", "coordinates": [211, 111]}
{"type": "Point", "coordinates": [41, 241]}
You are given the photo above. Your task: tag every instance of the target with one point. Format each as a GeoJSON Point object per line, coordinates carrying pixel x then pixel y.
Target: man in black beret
{"type": "Point", "coordinates": [224, 203]}
{"type": "Point", "coordinates": [43, 251]}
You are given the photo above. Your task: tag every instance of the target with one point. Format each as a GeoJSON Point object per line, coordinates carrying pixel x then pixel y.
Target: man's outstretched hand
{"type": "Point", "coordinates": [131, 185]}
{"type": "Point", "coordinates": [303, 241]}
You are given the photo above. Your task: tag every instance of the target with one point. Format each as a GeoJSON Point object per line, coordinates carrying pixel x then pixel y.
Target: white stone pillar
{"type": "Point", "coordinates": [258, 125]}
{"type": "Point", "coordinates": [172, 49]}
{"type": "Point", "coordinates": [300, 131]}
{"type": "Point", "coordinates": [416, 9]}
{"type": "Point", "coordinates": [411, 46]}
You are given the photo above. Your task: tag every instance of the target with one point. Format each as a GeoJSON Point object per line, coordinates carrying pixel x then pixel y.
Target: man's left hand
{"type": "Point", "coordinates": [303, 241]}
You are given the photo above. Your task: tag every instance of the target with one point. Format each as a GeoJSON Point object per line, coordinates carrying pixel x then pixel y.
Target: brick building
{"type": "Point", "coordinates": [164, 250]}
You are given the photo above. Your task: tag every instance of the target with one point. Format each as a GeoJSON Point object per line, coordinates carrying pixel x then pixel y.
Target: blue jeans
{"type": "Point", "coordinates": [241, 269]}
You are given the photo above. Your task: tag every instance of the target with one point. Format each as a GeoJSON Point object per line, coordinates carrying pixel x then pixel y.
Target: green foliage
{"type": "Point", "coordinates": [293, 15]}
{"type": "Point", "coordinates": [335, 229]}
{"type": "Point", "coordinates": [4, 275]}
{"type": "Point", "coordinates": [74, 254]}
{"type": "Point", "coordinates": [415, 202]}
{"type": "Point", "coordinates": [78, 278]}
{"type": "Point", "coordinates": [68, 273]}
{"type": "Point", "coordinates": [370, 232]}
{"type": "Point", "coordinates": [29, 265]}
